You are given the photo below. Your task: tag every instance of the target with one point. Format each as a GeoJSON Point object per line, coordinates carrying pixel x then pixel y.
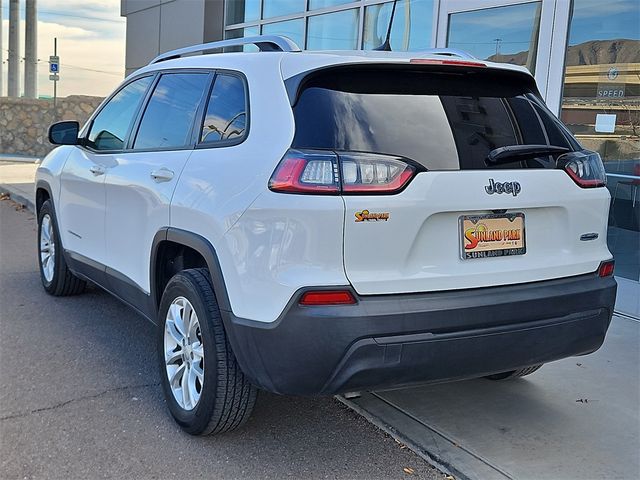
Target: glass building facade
{"type": "Point", "coordinates": [334, 24]}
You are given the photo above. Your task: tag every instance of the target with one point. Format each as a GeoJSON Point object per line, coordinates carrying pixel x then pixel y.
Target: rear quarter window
{"type": "Point", "coordinates": [226, 118]}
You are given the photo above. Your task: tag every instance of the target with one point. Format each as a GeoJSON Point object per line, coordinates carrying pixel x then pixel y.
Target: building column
{"type": "Point", "coordinates": [14, 48]}
{"type": "Point", "coordinates": [31, 50]}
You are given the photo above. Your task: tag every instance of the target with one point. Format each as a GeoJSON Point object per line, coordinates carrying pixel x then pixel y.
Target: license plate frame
{"type": "Point", "coordinates": [504, 240]}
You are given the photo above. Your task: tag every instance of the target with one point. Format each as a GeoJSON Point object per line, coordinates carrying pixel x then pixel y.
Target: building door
{"type": "Point", "coordinates": [523, 32]}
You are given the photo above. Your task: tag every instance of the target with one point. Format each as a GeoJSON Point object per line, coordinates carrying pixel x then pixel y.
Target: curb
{"type": "Point", "coordinates": [18, 197]}
{"type": "Point", "coordinates": [435, 460]}
{"type": "Point", "coordinates": [19, 159]}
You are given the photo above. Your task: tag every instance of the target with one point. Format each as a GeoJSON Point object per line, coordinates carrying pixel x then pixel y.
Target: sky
{"type": "Point", "coordinates": [91, 45]}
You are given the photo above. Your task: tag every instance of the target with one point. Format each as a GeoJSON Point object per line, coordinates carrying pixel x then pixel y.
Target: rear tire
{"type": "Point", "coordinates": [193, 349]}
{"type": "Point", "coordinates": [514, 373]}
{"type": "Point", "coordinates": [56, 278]}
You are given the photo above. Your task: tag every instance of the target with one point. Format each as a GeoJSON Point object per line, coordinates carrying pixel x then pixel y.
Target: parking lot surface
{"type": "Point", "coordinates": [80, 398]}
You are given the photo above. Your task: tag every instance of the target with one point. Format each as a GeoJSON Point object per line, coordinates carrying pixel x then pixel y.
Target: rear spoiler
{"type": "Point", "coordinates": [481, 75]}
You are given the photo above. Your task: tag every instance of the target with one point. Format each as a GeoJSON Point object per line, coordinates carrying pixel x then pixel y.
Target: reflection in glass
{"type": "Point", "coordinates": [444, 122]}
{"type": "Point", "coordinates": [411, 29]}
{"type": "Point", "coordinates": [294, 29]}
{"type": "Point", "coordinates": [315, 4]}
{"type": "Point", "coordinates": [601, 106]}
{"type": "Point", "coordinates": [240, 11]}
{"type": "Point", "coordinates": [240, 33]}
{"type": "Point", "coordinates": [226, 117]}
{"type": "Point", "coordinates": [503, 34]}
{"type": "Point", "coordinates": [276, 8]}
{"type": "Point", "coordinates": [333, 31]}
{"type": "Point", "coordinates": [168, 118]}
{"type": "Point", "coordinates": [109, 128]}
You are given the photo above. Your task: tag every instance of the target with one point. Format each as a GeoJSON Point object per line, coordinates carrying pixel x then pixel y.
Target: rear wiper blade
{"type": "Point", "coordinates": [516, 153]}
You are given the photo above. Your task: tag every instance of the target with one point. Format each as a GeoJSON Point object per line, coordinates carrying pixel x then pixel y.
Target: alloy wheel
{"type": "Point", "coordinates": [47, 248]}
{"type": "Point", "coordinates": [184, 353]}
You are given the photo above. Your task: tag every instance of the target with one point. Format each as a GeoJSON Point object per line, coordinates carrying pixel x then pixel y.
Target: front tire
{"type": "Point", "coordinates": [205, 389]}
{"type": "Point", "coordinates": [56, 278]}
{"type": "Point", "coordinates": [514, 373]}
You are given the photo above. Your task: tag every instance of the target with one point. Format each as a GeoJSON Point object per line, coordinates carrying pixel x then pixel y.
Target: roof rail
{"type": "Point", "coordinates": [451, 52]}
{"type": "Point", "coordinates": [265, 43]}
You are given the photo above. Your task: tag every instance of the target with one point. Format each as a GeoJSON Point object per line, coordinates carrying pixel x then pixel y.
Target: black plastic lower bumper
{"type": "Point", "coordinates": [389, 341]}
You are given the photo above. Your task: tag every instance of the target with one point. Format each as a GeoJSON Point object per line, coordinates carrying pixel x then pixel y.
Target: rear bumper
{"type": "Point", "coordinates": [389, 341]}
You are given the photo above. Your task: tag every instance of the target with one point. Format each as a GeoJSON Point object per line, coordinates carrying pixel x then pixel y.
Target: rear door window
{"type": "Point", "coordinates": [169, 117]}
{"type": "Point", "coordinates": [443, 120]}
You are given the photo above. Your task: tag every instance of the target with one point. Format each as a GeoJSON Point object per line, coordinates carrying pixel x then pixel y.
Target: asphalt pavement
{"type": "Point", "coordinates": [80, 398]}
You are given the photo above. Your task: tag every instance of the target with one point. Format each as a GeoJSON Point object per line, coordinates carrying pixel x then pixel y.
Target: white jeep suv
{"type": "Point", "coordinates": [322, 222]}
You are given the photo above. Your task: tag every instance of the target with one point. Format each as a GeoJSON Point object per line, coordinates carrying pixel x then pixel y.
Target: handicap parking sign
{"type": "Point", "coordinates": [54, 64]}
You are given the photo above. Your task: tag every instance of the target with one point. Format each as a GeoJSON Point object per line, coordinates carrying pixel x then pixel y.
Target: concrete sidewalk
{"type": "Point", "coordinates": [577, 418]}
{"type": "Point", "coordinates": [17, 180]}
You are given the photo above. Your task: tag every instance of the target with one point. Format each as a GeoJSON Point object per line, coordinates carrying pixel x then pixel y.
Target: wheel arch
{"type": "Point", "coordinates": [169, 241]}
{"type": "Point", "coordinates": [43, 193]}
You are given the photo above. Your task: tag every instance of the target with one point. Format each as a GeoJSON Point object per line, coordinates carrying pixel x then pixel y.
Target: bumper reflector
{"type": "Point", "coordinates": [606, 268]}
{"type": "Point", "coordinates": [328, 297]}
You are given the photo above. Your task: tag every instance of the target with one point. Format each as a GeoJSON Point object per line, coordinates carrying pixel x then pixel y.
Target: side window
{"type": "Point", "coordinates": [110, 126]}
{"type": "Point", "coordinates": [169, 115]}
{"type": "Point", "coordinates": [226, 117]}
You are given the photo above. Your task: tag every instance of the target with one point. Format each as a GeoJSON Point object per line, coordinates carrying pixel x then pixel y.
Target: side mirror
{"type": "Point", "coordinates": [64, 133]}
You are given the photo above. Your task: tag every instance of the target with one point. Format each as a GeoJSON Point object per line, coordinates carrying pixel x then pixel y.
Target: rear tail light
{"type": "Point", "coordinates": [363, 173]}
{"type": "Point", "coordinates": [328, 297]}
{"type": "Point", "coordinates": [585, 168]}
{"type": "Point", "coordinates": [606, 268]}
{"type": "Point", "coordinates": [307, 172]}
{"type": "Point", "coordinates": [319, 172]}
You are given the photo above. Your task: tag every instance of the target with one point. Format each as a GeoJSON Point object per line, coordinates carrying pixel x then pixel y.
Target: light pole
{"type": "Point", "coordinates": [497, 40]}
{"type": "Point", "coordinates": [14, 48]}
{"type": "Point", "coordinates": [31, 50]}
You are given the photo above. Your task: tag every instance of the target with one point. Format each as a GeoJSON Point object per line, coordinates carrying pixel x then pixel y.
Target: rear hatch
{"type": "Point", "coordinates": [453, 219]}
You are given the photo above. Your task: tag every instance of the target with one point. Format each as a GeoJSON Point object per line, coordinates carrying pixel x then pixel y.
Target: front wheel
{"type": "Point", "coordinates": [514, 373]}
{"type": "Point", "coordinates": [204, 387]}
{"type": "Point", "coordinates": [56, 278]}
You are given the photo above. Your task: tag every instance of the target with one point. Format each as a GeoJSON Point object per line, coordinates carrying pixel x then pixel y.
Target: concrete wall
{"type": "Point", "coordinates": [157, 26]}
{"type": "Point", "coordinates": [24, 122]}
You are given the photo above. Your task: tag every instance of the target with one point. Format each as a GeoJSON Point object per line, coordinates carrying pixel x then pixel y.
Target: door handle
{"type": "Point", "coordinates": [162, 175]}
{"type": "Point", "coordinates": [97, 170]}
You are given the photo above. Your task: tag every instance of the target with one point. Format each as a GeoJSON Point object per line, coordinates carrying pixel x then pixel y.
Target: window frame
{"type": "Point", "coordinates": [198, 121]}
{"type": "Point", "coordinates": [229, 142]}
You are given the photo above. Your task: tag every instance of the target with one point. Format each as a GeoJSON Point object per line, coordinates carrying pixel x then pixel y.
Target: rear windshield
{"type": "Point", "coordinates": [443, 120]}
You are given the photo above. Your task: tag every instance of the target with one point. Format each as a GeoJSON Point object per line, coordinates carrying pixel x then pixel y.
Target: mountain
{"type": "Point", "coordinates": [595, 52]}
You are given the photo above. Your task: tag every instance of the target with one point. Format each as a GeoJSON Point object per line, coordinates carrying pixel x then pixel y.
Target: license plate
{"type": "Point", "coordinates": [492, 235]}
